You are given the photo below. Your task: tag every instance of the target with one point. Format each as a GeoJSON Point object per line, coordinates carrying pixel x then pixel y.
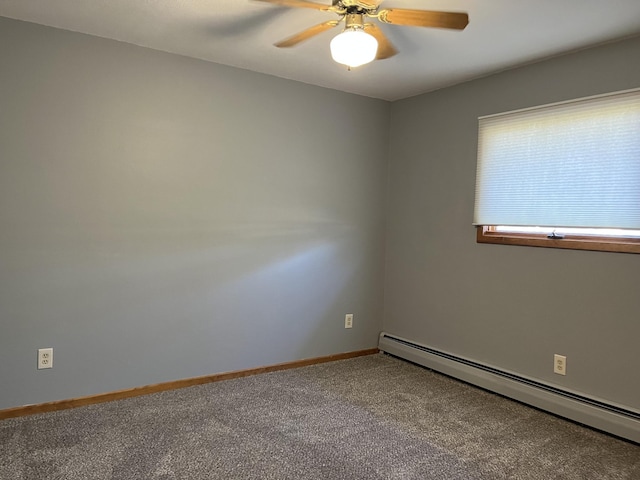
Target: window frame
{"type": "Point", "coordinates": [487, 234]}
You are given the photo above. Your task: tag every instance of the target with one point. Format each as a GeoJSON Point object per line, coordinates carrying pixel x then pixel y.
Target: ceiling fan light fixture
{"type": "Point", "coordinates": [354, 47]}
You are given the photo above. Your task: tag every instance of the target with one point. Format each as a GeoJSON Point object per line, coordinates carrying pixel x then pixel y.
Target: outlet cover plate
{"type": "Point", "coordinates": [560, 364]}
{"type": "Point", "coordinates": [45, 358]}
{"type": "Point", "coordinates": [348, 320]}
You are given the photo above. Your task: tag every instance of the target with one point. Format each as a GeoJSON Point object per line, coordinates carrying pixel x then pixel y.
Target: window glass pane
{"type": "Point", "coordinates": [575, 164]}
{"type": "Point", "coordinates": [599, 232]}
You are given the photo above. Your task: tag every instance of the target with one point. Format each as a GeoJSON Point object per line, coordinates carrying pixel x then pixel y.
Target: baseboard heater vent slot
{"type": "Point", "coordinates": [615, 419]}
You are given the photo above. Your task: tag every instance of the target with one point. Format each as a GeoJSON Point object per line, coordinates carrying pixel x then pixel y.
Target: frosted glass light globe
{"type": "Point", "coordinates": [354, 47]}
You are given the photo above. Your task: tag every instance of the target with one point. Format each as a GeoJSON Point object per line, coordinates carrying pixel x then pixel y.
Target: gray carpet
{"type": "Point", "coordinates": [373, 417]}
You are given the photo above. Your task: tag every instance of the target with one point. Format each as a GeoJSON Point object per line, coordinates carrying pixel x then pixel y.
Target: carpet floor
{"type": "Point", "coordinates": [372, 417]}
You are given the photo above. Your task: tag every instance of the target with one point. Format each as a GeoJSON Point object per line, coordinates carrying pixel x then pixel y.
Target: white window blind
{"type": "Point", "coordinates": [571, 164]}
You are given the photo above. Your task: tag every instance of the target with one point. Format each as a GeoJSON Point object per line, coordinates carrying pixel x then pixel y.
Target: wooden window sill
{"type": "Point", "coordinates": [601, 244]}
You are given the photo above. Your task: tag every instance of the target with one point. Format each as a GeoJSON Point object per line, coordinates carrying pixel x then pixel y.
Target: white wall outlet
{"type": "Point", "coordinates": [348, 320]}
{"type": "Point", "coordinates": [560, 364]}
{"type": "Point", "coordinates": [45, 358]}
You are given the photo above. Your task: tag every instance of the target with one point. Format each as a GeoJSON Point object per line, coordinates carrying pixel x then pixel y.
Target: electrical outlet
{"type": "Point", "coordinates": [45, 358]}
{"type": "Point", "coordinates": [560, 364]}
{"type": "Point", "coordinates": [348, 320]}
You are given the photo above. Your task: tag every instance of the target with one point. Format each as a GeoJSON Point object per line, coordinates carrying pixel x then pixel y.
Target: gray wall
{"type": "Point", "coordinates": [164, 218]}
{"type": "Point", "coordinates": [511, 307]}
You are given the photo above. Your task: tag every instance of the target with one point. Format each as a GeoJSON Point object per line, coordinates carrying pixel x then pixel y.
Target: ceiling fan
{"type": "Point", "coordinates": [361, 41]}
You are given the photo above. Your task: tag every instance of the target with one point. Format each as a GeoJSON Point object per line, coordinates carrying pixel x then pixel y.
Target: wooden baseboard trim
{"type": "Point", "coordinates": [161, 387]}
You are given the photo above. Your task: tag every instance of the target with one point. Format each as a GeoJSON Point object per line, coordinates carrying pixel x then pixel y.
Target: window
{"type": "Point", "coordinates": [565, 175]}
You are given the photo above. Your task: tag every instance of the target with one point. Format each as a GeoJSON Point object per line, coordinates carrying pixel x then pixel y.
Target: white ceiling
{"type": "Point", "coordinates": [501, 34]}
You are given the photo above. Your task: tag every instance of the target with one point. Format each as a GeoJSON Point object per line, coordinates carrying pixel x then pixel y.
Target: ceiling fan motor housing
{"type": "Point", "coordinates": [353, 20]}
{"type": "Point", "coordinates": [359, 4]}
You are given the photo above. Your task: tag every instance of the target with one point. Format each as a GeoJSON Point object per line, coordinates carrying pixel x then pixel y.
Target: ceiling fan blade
{"type": "Point", "coordinates": [299, 3]}
{"type": "Point", "coordinates": [424, 18]}
{"type": "Point", "coordinates": [307, 34]}
{"type": "Point", "coordinates": [385, 47]}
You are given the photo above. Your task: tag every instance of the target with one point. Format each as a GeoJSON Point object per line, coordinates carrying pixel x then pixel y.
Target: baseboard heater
{"type": "Point", "coordinates": [615, 419]}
